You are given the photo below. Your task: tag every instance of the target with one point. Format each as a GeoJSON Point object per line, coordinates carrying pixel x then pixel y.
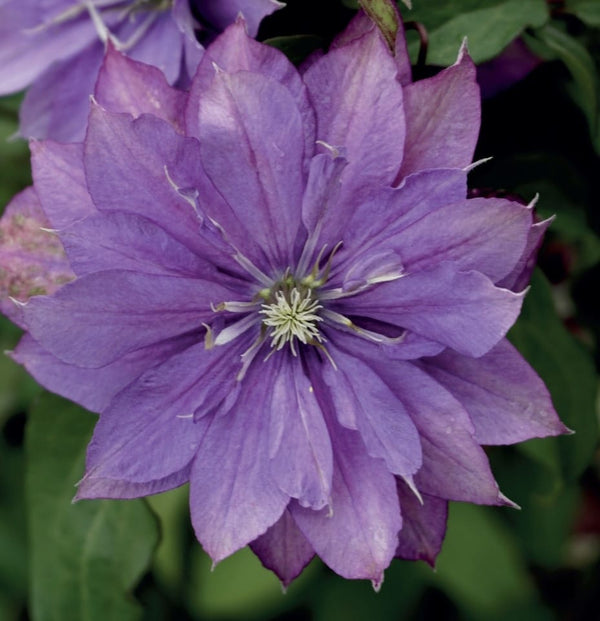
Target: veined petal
{"type": "Point", "coordinates": [149, 432]}
{"type": "Point", "coordinates": [251, 145]}
{"type": "Point", "coordinates": [359, 536]}
{"type": "Point", "coordinates": [283, 549]}
{"type": "Point", "coordinates": [423, 526]}
{"type": "Point", "coordinates": [443, 305]}
{"type": "Point", "coordinates": [299, 446]}
{"type": "Point", "coordinates": [94, 389]}
{"type": "Point", "coordinates": [487, 235]}
{"type": "Point", "coordinates": [362, 401]}
{"type": "Point", "coordinates": [503, 395]}
{"type": "Point", "coordinates": [57, 104]}
{"type": "Point", "coordinates": [102, 316]}
{"type": "Point", "coordinates": [233, 496]}
{"type": "Point", "coordinates": [125, 85]}
{"type": "Point", "coordinates": [359, 105]}
{"type": "Point", "coordinates": [454, 465]}
{"type": "Point", "coordinates": [235, 51]}
{"type": "Point", "coordinates": [451, 100]}
{"type": "Point", "coordinates": [60, 182]}
{"type": "Point", "coordinates": [219, 14]}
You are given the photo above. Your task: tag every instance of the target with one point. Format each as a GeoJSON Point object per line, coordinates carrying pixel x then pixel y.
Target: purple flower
{"type": "Point", "coordinates": [56, 48]}
{"type": "Point", "coordinates": [284, 297]}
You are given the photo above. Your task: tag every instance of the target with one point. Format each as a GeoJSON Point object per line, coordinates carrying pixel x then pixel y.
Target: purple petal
{"type": "Point", "coordinates": [60, 182]}
{"type": "Point", "coordinates": [102, 316]}
{"type": "Point", "coordinates": [161, 45]}
{"type": "Point", "coordinates": [503, 395]}
{"type": "Point", "coordinates": [28, 50]}
{"type": "Point", "coordinates": [442, 119]}
{"type": "Point", "coordinates": [144, 166]}
{"type": "Point", "coordinates": [125, 85]}
{"type": "Point", "coordinates": [299, 447]}
{"type": "Point", "coordinates": [219, 13]}
{"type": "Point", "coordinates": [235, 51]}
{"type": "Point", "coordinates": [519, 278]}
{"type": "Point", "coordinates": [149, 431]}
{"type": "Point", "coordinates": [118, 488]}
{"type": "Point", "coordinates": [252, 147]}
{"type": "Point", "coordinates": [487, 235]}
{"type": "Point", "coordinates": [359, 105]}
{"type": "Point", "coordinates": [57, 104]}
{"type": "Point", "coordinates": [283, 549]}
{"type": "Point", "coordinates": [32, 260]}
{"type": "Point", "coordinates": [362, 24]}
{"type": "Point", "coordinates": [362, 401]}
{"type": "Point", "coordinates": [93, 388]}
{"type": "Point", "coordinates": [127, 241]}
{"type": "Point", "coordinates": [358, 539]}
{"type": "Point", "coordinates": [443, 305]}
{"type": "Point", "coordinates": [454, 465]}
{"type": "Point", "coordinates": [366, 224]}
{"type": "Point", "coordinates": [233, 496]}
{"type": "Point", "coordinates": [423, 526]}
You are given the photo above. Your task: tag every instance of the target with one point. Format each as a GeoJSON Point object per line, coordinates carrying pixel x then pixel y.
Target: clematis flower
{"type": "Point", "coordinates": [56, 48]}
{"type": "Point", "coordinates": [284, 297]}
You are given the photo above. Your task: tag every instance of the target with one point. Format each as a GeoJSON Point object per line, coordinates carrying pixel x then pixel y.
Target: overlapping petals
{"type": "Point", "coordinates": [332, 202]}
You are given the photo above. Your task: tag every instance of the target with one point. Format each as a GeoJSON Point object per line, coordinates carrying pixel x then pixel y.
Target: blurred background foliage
{"type": "Point", "coordinates": [127, 560]}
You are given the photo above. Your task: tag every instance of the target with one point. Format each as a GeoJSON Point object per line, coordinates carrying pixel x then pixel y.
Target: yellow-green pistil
{"type": "Point", "coordinates": [292, 315]}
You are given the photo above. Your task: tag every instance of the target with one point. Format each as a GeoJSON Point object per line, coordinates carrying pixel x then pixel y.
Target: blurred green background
{"type": "Point", "coordinates": [139, 560]}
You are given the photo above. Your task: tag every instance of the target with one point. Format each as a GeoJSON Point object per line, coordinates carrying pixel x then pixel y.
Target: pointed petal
{"type": "Point", "coordinates": [487, 235]}
{"type": "Point", "coordinates": [299, 447]}
{"type": "Point", "coordinates": [443, 305]}
{"type": "Point", "coordinates": [359, 106]}
{"type": "Point", "coordinates": [454, 465]}
{"type": "Point", "coordinates": [365, 224]}
{"type": "Point", "coordinates": [57, 104]}
{"type": "Point", "coordinates": [60, 182]}
{"type": "Point", "coordinates": [149, 432]}
{"type": "Point", "coordinates": [233, 497]}
{"type": "Point", "coordinates": [93, 388]}
{"type": "Point", "coordinates": [100, 317]}
{"type": "Point", "coordinates": [127, 241]}
{"type": "Point", "coordinates": [423, 526]}
{"type": "Point", "coordinates": [235, 51]}
{"type": "Point", "coordinates": [360, 538]}
{"type": "Point", "coordinates": [362, 401]}
{"type": "Point", "coordinates": [220, 14]}
{"type": "Point", "coordinates": [284, 549]}
{"type": "Point", "coordinates": [250, 124]}
{"type": "Point", "coordinates": [503, 395]}
{"type": "Point", "coordinates": [125, 85]}
{"type": "Point", "coordinates": [361, 24]}
{"type": "Point", "coordinates": [518, 279]}
{"type": "Point", "coordinates": [442, 118]}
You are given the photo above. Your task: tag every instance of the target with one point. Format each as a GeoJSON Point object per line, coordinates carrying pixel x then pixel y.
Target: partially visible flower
{"type": "Point", "coordinates": [284, 297]}
{"type": "Point", "coordinates": [32, 259]}
{"type": "Point", "coordinates": [56, 48]}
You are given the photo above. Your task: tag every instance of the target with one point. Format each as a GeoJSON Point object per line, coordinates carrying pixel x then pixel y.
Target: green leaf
{"type": "Point", "coordinates": [489, 25]}
{"type": "Point", "coordinates": [384, 14]}
{"type": "Point", "coordinates": [568, 371]}
{"type": "Point", "coordinates": [582, 68]}
{"type": "Point", "coordinates": [588, 11]}
{"type": "Point", "coordinates": [480, 566]}
{"type": "Point", "coordinates": [85, 557]}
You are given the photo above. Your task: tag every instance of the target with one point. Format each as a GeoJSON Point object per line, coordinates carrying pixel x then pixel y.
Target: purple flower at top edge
{"type": "Point", "coordinates": [55, 49]}
{"type": "Point", "coordinates": [284, 297]}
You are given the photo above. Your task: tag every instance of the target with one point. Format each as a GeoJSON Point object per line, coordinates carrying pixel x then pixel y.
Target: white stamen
{"type": "Point", "coordinates": [292, 318]}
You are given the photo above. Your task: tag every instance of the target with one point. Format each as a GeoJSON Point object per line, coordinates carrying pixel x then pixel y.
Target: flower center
{"type": "Point", "coordinates": [292, 315]}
